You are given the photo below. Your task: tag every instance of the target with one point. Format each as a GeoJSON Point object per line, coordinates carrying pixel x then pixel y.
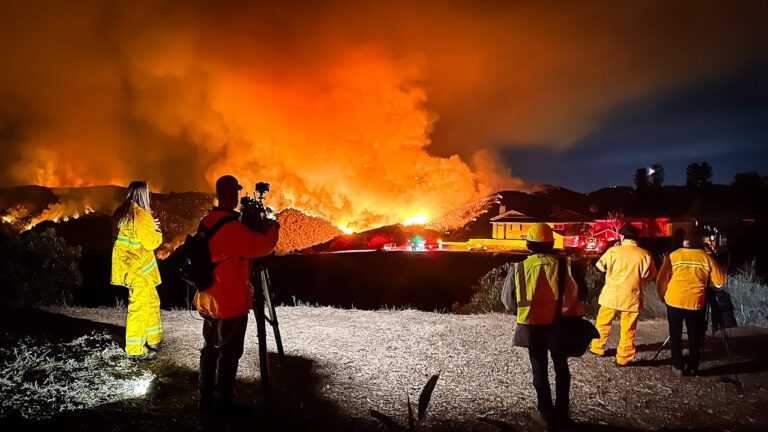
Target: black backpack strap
{"type": "Point", "coordinates": [209, 232]}
{"type": "Point", "coordinates": [562, 273]}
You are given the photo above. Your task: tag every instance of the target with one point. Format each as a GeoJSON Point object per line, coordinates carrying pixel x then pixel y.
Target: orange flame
{"type": "Point", "coordinates": [347, 141]}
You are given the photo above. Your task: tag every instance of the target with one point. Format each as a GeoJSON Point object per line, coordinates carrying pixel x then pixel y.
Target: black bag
{"type": "Point", "coordinates": [573, 335]}
{"type": "Point", "coordinates": [197, 266]}
{"type": "Point", "coordinates": [721, 310]}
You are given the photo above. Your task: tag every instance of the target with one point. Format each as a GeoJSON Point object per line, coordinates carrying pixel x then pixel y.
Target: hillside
{"type": "Point", "coordinates": [299, 231]}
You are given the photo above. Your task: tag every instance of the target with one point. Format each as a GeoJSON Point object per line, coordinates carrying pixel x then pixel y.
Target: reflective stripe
{"type": "Point", "coordinates": [128, 241]}
{"type": "Point", "coordinates": [155, 330]}
{"type": "Point", "coordinates": [135, 341]}
{"type": "Point", "coordinates": [149, 266]}
{"type": "Point", "coordinates": [690, 264]}
{"type": "Point", "coordinates": [524, 301]}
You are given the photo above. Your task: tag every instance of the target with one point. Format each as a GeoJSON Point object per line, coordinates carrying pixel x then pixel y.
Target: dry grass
{"type": "Point", "coordinates": [368, 360]}
{"type": "Point", "coordinates": [40, 379]}
{"type": "Point", "coordinates": [749, 295]}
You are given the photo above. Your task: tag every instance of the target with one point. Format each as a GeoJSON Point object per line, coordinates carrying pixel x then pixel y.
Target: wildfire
{"type": "Point", "coordinates": [345, 229]}
{"type": "Point", "coordinates": [56, 212]}
{"type": "Point", "coordinates": [347, 140]}
{"type": "Point", "coordinates": [419, 219]}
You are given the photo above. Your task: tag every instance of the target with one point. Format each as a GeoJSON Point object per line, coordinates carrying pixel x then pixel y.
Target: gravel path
{"type": "Point", "coordinates": [366, 360]}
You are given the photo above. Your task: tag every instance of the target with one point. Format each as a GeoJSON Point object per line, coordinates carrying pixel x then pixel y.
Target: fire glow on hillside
{"type": "Point", "coordinates": [20, 218]}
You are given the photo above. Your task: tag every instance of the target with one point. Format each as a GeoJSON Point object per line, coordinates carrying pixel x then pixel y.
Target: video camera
{"type": "Point", "coordinates": [255, 214]}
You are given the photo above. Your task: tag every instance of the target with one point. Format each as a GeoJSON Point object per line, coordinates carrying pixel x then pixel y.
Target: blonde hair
{"type": "Point", "coordinates": [138, 192]}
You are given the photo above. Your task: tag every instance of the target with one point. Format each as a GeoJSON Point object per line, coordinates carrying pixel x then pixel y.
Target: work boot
{"type": "Point", "coordinates": [679, 372]}
{"type": "Point", "coordinates": [147, 356]}
{"type": "Point", "coordinates": [562, 418]}
{"type": "Point", "coordinates": [206, 406]}
{"type": "Point", "coordinates": [596, 354]}
{"type": "Point", "coordinates": [544, 418]}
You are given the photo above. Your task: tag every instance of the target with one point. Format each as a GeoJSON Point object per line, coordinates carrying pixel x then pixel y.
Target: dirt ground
{"type": "Point", "coordinates": [340, 364]}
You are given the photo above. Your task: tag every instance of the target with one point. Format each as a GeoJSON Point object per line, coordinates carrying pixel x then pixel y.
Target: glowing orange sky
{"type": "Point", "coordinates": [362, 113]}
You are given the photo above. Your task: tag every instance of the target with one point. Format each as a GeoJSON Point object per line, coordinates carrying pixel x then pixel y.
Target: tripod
{"type": "Point", "coordinates": [717, 324]}
{"type": "Point", "coordinates": [262, 299]}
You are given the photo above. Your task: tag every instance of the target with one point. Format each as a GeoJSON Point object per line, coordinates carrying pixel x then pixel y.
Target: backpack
{"type": "Point", "coordinates": [721, 310]}
{"type": "Point", "coordinates": [197, 266]}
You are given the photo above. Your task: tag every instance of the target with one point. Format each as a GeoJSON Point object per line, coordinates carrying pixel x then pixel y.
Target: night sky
{"type": "Point", "coordinates": [723, 121]}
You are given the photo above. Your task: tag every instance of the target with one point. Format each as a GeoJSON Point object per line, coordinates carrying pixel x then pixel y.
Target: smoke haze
{"type": "Point", "coordinates": [363, 114]}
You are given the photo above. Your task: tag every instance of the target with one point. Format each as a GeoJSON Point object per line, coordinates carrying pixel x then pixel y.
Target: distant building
{"type": "Point", "coordinates": [573, 230]}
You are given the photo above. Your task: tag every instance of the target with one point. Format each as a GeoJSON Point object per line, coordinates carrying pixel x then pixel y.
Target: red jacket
{"type": "Point", "coordinates": [231, 294]}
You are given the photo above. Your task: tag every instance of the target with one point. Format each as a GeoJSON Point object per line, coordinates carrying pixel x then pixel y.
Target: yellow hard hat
{"type": "Point", "coordinates": [540, 233]}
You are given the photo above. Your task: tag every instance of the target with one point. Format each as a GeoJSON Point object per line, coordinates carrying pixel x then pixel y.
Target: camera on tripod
{"type": "Point", "coordinates": [255, 215]}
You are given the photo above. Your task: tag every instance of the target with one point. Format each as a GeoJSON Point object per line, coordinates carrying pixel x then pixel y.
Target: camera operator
{"type": "Point", "coordinates": [682, 284]}
{"type": "Point", "coordinates": [226, 304]}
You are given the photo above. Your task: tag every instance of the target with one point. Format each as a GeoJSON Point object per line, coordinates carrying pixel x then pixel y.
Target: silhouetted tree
{"type": "Point", "coordinates": [641, 179]}
{"type": "Point", "coordinates": [699, 175]}
{"type": "Point", "coordinates": [657, 175]}
{"type": "Point", "coordinates": [752, 188]}
{"type": "Point", "coordinates": [748, 181]}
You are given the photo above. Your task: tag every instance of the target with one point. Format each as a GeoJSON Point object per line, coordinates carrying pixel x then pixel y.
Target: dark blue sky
{"type": "Point", "coordinates": [723, 121]}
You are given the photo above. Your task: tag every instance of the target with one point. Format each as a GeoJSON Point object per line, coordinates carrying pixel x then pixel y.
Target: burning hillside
{"type": "Point", "coordinates": [460, 217]}
{"type": "Point", "coordinates": [179, 214]}
{"type": "Point", "coordinates": [299, 231]}
{"type": "Point", "coordinates": [398, 235]}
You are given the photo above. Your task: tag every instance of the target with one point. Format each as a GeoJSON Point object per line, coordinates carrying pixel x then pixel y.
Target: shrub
{"type": "Point", "coordinates": [749, 295]}
{"type": "Point", "coordinates": [653, 305]}
{"type": "Point", "coordinates": [487, 293]}
{"type": "Point", "coordinates": [594, 280]}
{"type": "Point", "coordinates": [37, 269]}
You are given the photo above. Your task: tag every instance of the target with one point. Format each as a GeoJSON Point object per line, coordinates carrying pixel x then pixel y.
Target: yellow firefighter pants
{"type": "Point", "coordinates": [625, 352]}
{"type": "Point", "coordinates": [143, 326]}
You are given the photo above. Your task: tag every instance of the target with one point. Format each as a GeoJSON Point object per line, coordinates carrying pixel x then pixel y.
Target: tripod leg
{"type": "Point", "coordinates": [258, 311]}
{"type": "Point", "coordinates": [661, 348]}
{"type": "Point", "coordinates": [739, 386]}
{"type": "Point", "coordinates": [265, 282]}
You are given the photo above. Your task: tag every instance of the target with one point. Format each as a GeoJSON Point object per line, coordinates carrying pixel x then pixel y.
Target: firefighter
{"type": "Point", "coordinates": [533, 285]}
{"type": "Point", "coordinates": [627, 267]}
{"type": "Point", "coordinates": [226, 304]}
{"type": "Point", "coordinates": [134, 266]}
{"type": "Point", "coordinates": [682, 284]}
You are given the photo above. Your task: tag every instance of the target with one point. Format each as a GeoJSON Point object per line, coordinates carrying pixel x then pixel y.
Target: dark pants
{"type": "Point", "coordinates": [539, 345]}
{"type": "Point", "coordinates": [224, 339]}
{"type": "Point", "coordinates": [695, 324]}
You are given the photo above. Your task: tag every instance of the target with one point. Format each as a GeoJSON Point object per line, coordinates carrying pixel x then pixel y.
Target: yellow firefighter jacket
{"type": "Point", "coordinates": [683, 278]}
{"type": "Point", "coordinates": [627, 266]}
{"type": "Point", "coordinates": [133, 256]}
{"type": "Point", "coordinates": [534, 283]}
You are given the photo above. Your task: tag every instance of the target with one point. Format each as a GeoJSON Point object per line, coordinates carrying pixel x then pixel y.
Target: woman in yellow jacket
{"type": "Point", "coordinates": [134, 266]}
{"type": "Point", "coordinates": [682, 284]}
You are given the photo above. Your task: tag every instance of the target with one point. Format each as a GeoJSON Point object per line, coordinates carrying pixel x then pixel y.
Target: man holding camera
{"type": "Point", "coordinates": [226, 304]}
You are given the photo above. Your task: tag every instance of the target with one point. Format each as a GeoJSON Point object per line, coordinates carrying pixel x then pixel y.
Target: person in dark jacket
{"type": "Point", "coordinates": [533, 285]}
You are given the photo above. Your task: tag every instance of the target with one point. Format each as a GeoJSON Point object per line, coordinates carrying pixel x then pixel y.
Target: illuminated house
{"type": "Point", "coordinates": [510, 227]}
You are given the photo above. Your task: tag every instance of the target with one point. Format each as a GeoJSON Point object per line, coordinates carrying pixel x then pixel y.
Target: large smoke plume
{"type": "Point", "coordinates": [358, 113]}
